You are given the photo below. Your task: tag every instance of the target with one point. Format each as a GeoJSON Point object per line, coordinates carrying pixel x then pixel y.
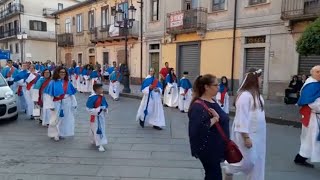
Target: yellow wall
{"type": "Point", "coordinates": [215, 53]}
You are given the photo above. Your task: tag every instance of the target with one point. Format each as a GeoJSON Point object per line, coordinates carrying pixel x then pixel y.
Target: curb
{"type": "Point", "coordinates": [271, 120]}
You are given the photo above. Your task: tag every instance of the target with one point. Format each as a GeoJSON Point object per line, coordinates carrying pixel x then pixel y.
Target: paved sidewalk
{"type": "Point", "coordinates": [276, 112]}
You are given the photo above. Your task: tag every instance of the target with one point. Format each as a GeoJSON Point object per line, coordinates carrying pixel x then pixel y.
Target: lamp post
{"type": "Point", "coordinates": [22, 36]}
{"type": "Point", "coordinates": [125, 20]}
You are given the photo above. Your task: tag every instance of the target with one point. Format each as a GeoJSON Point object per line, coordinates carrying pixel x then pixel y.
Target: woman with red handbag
{"type": "Point", "coordinates": [206, 140]}
{"type": "Point", "coordinates": [249, 128]}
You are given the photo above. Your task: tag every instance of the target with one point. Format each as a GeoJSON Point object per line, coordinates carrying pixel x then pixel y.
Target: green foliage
{"type": "Point", "coordinates": [309, 42]}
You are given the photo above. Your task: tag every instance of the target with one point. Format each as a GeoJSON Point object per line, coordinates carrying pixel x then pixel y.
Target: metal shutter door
{"type": "Point", "coordinates": [255, 59]}
{"type": "Point", "coordinates": [189, 60]}
{"type": "Point", "coordinates": [306, 63]}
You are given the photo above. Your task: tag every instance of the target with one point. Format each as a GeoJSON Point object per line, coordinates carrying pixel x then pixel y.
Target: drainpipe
{"type": "Point", "coordinates": [234, 45]}
{"type": "Point", "coordinates": [141, 39]}
{"type": "Point", "coordinates": [55, 27]}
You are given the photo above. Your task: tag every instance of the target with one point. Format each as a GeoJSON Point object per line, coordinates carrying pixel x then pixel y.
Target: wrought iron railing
{"type": "Point", "coordinates": [300, 9]}
{"type": "Point", "coordinates": [9, 33]}
{"type": "Point", "coordinates": [65, 39]}
{"type": "Point", "coordinates": [13, 9]}
{"type": "Point", "coordinates": [187, 21]}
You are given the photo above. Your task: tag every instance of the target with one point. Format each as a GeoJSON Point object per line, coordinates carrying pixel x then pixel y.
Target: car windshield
{"type": "Point", "coordinates": [2, 81]}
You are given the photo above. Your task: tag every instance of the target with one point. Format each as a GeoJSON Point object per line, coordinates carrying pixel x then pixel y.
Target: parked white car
{"type": "Point", "coordinates": [8, 101]}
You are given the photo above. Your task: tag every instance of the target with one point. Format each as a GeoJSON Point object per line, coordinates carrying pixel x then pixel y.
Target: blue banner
{"type": "Point", "coordinates": [4, 54]}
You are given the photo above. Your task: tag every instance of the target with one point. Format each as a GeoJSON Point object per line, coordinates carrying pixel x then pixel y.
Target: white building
{"type": "Point", "coordinates": [33, 19]}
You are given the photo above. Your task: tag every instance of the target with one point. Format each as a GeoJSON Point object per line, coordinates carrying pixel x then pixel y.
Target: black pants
{"type": "Point", "coordinates": [211, 167]}
{"type": "Point", "coordinates": [289, 91]}
{"type": "Point", "coordinates": [163, 86]}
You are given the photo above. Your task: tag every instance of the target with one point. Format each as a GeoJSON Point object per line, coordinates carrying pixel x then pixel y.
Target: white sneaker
{"type": "Point", "coordinates": [101, 149]}
{"type": "Point", "coordinates": [56, 138]}
{"type": "Point", "coordinates": [225, 174]}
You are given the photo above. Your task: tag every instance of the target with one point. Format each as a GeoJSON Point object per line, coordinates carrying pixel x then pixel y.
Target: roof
{"type": "Point", "coordinates": [79, 5]}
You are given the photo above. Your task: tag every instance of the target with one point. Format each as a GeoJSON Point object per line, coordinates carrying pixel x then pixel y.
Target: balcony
{"type": "Point", "coordinates": [12, 33]}
{"type": "Point", "coordinates": [65, 40]}
{"type": "Point", "coordinates": [299, 10]}
{"type": "Point", "coordinates": [110, 33]}
{"type": "Point", "coordinates": [11, 11]}
{"type": "Point", "coordinates": [47, 12]}
{"type": "Point", "coordinates": [187, 21]}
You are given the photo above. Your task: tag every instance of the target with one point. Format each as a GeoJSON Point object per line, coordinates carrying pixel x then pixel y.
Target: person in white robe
{"type": "Point", "coordinates": [309, 101]}
{"type": "Point", "coordinates": [150, 111]}
{"type": "Point", "coordinates": [60, 98]}
{"type": "Point", "coordinates": [97, 107]}
{"type": "Point", "coordinates": [78, 77]}
{"type": "Point", "coordinates": [222, 96]}
{"type": "Point", "coordinates": [30, 82]}
{"type": "Point", "coordinates": [171, 93]}
{"type": "Point", "coordinates": [249, 129]}
{"type": "Point", "coordinates": [114, 85]}
{"type": "Point", "coordinates": [185, 93]}
{"type": "Point", "coordinates": [95, 77]}
{"type": "Point", "coordinates": [9, 72]}
{"type": "Point", "coordinates": [86, 81]}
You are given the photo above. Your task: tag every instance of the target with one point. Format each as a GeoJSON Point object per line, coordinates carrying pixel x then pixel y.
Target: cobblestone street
{"type": "Point", "coordinates": [133, 153]}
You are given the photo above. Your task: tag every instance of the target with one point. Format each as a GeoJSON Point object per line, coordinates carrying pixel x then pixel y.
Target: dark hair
{"type": "Point", "coordinates": [96, 87]}
{"type": "Point", "coordinates": [225, 84]}
{"type": "Point", "coordinates": [172, 75]}
{"type": "Point", "coordinates": [251, 84]}
{"type": "Point", "coordinates": [42, 74]}
{"type": "Point", "coordinates": [166, 63]}
{"type": "Point", "coordinates": [56, 74]}
{"type": "Point", "coordinates": [199, 85]}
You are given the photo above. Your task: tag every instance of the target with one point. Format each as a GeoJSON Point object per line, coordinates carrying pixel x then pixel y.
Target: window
{"type": "Point", "coordinates": [68, 25]}
{"type": "Point", "coordinates": [155, 10]}
{"type": "Point", "coordinates": [38, 25]}
{"type": "Point", "coordinates": [60, 6]}
{"type": "Point", "coordinates": [218, 5]}
{"type": "Point", "coordinates": [190, 4]}
{"type": "Point", "coordinates": [91, 20]}
{"type": "Point", "coordinates": [79, 23]}
{"type": "Point", "coordinates": [104, 17]}
{"type": "Point", "coordinates": [17, 48]}
{"type": "Point", "coordinates": [80, 58]}
{"type": "Point", "coordinates": [124, 7]}
{"type": "Point", "coordinates": [10, 48]}
{"type": "Point", "coordinates": [254, 2]}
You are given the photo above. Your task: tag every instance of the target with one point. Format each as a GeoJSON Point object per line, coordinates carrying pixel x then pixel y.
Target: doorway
{"type": "Point", "coordinates": [92, 60]}
{"type": "Point", "coordinates": [154, 62]}
{"type": "Point", "coordinates": [68, 59]}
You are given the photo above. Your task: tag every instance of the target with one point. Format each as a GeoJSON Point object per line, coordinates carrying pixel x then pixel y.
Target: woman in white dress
{"type": "Point", "coordinates": [249, 129]}
{"type": "Point", "coordinates": [171, 92]}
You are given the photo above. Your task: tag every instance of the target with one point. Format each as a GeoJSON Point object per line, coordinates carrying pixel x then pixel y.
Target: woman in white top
{"type": "Point", "coordinates": [249, 129]}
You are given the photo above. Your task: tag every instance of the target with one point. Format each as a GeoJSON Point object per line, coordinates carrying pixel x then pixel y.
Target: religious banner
{"type": "Point", "coordinates": [176, 20]}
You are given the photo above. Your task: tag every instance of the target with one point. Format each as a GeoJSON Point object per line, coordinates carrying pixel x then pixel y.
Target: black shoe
{"type": "Point", "coordinates": [141, 123]}
{"type": "Point", "coordinates": [157, 128]}
{"type": "Point", "coordinates": [302, 161]}
{"type": "Point", "coordinates": [31, 118]}
{"type": "Point", "coordinates": [182, 111]}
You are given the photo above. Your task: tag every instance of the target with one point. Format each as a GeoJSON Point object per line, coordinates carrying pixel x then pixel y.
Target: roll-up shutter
{"type": "Point", "coordinates": [255, 59]}
{"type": "Point", "coordinates": [307, 62]}
{"type": "Point", "coordinates": [189, 60]}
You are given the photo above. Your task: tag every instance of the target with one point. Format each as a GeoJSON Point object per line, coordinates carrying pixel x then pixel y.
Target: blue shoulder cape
{"type": "Point", "coordinates": [148, 81]}
{"type": "Point", "coordinates": [110, 70]}
{"type": "Point", "coordinates": [94, 74]}
{"type": "Point", "coordinates": [309, 93]}
{"type": "Point", "coordinates": [55, 88]}
{"type": "Point", "coordinates": [185, 83]}
{"type": "Point", "coordinates": [6, 70]}
{"type": "Point", "coordinates": [21, 75]}
{"type": "Point", "coordinates": [92, 100]}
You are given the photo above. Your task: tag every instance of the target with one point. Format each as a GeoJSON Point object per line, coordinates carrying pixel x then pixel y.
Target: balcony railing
{"type": "Point", "coordinates": [47, 12]}
{"type": "Point", "coordinates": [300, 9]}
{"type": "Point", "coordinates": [11, 10]}
{"type": "Point", "coordinates": [9, 33]}
{"type": "Point", "coordinates": [102, 34]}
{"type": "Point", "coordinates": [187, 21]}
{"type": "Point", "coordinates": [65, 39]}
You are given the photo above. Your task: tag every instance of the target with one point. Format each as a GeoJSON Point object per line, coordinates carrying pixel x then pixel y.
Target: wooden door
{"type": "Point", "coordinates": [68, 59]}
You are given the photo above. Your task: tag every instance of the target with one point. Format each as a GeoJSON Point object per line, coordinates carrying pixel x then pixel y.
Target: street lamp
{"type": "Point", "coordinates": [22, 37]}
{"type": "Point", "coordinates": [125, 20]}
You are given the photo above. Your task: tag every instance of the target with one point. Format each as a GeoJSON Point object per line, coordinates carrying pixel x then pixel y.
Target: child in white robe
{"type": "Point", "coordinates": [97, 107]}
{"type": "Point", "coordinates": [171, 93]}
{"type": "Point", "coordinates": [185, 93]}
{"type": "Point", "coordinates": [114, 86]}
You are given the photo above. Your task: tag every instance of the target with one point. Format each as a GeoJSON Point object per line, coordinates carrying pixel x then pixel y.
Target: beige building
{"type": "Point", "coordinates": [199, 36]}
{"type": "Point", "coordinates": [33, 19]}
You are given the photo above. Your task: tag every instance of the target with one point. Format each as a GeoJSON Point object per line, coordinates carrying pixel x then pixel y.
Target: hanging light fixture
{"type": "Point", "coordinates": [132, 12]}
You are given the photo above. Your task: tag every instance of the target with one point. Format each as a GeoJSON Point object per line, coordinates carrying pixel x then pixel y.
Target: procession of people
{"type": "Point", "coordinates": [48, 92]}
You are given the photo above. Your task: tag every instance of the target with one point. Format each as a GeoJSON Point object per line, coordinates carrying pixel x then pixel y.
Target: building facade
{"type": "Point", "coordinates": [227, 37]}
{"type": "Point", "coordinates": [33, 19]}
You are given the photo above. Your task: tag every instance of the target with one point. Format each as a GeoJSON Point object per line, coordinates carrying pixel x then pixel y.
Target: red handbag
{"type": "Point", "coordinates": [232, 153]}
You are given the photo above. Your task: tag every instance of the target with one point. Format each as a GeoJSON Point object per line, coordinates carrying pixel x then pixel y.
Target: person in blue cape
{"type": "Point", "coordinates": [97, 107]}
{"type": "Point", "coordinates": [222, 96]}
{"type": "Point", "coordinates": [95, 77]}
{"type": "Point", "coordinates": [37, 96]}
{"type": "Point", "coordinates": [20, 80]}
{"type": "Point", "coordinates": [114, 85]}
{"type": "Point", "coordinates": [185, 93]}
{"type": "Point", "coordinates": [171, 93]}
{"type": "Point", "coordinates": [60, 98]}
{"type": "Point", "coordinates": [78, 76]}
{"type": "Point", "coordinates": [9, 73]}
{"type": "Point", "coordinates": [150, 111]}
{"type": "Point", "coordinates": [86, 81]}
{"type": "Point", "coordinates": [309, 102]}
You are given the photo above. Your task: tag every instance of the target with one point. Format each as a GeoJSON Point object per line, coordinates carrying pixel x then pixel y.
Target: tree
{"type": "Point", "coordinates": [309, 42]}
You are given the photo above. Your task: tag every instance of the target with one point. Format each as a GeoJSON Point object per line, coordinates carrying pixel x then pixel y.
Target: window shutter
{"type": "Point", "coordinates": [44, 26]}
{"type": "Point", "coordinates": [31, 25]}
